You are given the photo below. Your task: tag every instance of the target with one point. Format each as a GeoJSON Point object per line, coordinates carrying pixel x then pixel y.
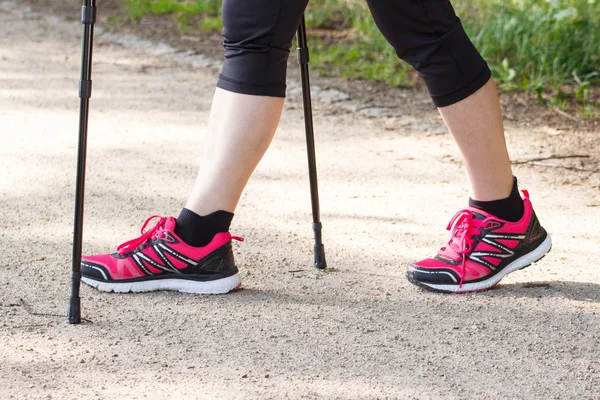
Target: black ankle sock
{"type": "Point", "coordinates": [199, 231]}
{"type": "Point", "coordinates": [509, 209]}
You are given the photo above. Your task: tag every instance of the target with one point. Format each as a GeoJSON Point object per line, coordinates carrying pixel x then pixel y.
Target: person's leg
{"type": "Point", "coordinates": [245, 113]}
{"type": "Point", "coordinates": [240, 130]}
{"type": "Point", "coordinates": [499, 232]}
{"type": "Point", "coordinates": [428, 35]}
{"type": "Point", "coordinates": [476, 124]}
{"type": "Point", "coordinates": [193, 253]}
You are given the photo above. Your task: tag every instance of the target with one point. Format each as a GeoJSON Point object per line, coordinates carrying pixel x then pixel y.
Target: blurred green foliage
{"type": "Point", "coordinates": [532, 45]}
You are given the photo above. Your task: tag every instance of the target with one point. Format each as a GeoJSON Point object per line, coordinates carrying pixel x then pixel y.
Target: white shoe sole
{"type": "Point", "coordinates": [219, 286]}
{"type": "Point", "coordinates": [516, 265]}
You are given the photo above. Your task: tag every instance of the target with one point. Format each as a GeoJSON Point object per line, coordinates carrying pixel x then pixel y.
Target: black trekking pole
{"type": "Point", "coordinates": [88, 18]}
{"type": "Point", "coordinates": [303, 60]}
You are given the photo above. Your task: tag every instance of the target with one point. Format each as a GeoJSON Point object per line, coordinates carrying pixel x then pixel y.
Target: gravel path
{"type": "Point", "coordinates": [359, 331]}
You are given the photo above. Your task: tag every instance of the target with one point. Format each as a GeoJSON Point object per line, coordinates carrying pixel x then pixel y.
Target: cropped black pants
{"type": "Point", "coordinates": [425, 33]}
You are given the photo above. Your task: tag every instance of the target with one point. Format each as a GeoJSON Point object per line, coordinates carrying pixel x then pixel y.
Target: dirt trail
{"type": "Point", "coordinates": [358, 331]}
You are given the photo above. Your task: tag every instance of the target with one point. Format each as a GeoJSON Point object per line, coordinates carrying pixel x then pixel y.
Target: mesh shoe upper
{"type": "Point", "coordinates": [159, 251]}
{"type": "Point", "coordinates": [480, 246]}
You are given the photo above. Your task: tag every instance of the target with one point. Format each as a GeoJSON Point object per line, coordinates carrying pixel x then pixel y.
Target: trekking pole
{"type": "Point", "coordinates": [88, 18]}
{"type": "Point", "coordinates": [303, 60]}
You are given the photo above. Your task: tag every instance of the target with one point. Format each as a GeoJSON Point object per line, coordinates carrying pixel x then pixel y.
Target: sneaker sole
{"type": "Point", "coordinates": [219, 286]}
{"type": "Point", "coordinates": [520, 263]}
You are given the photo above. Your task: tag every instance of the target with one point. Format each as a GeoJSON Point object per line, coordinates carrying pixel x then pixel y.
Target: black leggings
{"type": "Point", "coordinates": [425, 33]}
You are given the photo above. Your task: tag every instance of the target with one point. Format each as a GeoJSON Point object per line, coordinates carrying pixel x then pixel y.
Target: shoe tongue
{"type": "Point", "coordinates": [170, 224]}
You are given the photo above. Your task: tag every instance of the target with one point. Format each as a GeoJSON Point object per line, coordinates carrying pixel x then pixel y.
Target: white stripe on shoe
{"type": "Point", "coordinates": [218, 286]}
{"type": "Point", "coordinates": [516, 265]}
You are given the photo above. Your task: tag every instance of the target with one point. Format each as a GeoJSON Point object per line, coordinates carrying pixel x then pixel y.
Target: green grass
{"type": "Point", "coordinates": [358, 60]}
{"type": "Point", "coordinates": [531, 45]}
{"type": "Point", "coordinates": [139, 8]}
{"type": "Point", "coordinates": [208, 11]}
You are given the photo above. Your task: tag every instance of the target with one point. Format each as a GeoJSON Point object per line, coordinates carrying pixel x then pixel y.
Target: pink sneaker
{"type": "Point", "coordinates": [483, 249]}
{"type": "Point", "coordinates": [159, 260]}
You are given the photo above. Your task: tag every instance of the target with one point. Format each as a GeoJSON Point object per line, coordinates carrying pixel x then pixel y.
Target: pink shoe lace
{"type": "Point", "coordinates": [463, 227]}
{"type": "Point", "coordinates": [152, 233]}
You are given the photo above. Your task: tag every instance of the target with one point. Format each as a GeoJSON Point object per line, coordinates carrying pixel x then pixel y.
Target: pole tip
{"type": "Point", "coordinates": [320, 262]}
{"type": "Point", "coordinates": [74, 312]}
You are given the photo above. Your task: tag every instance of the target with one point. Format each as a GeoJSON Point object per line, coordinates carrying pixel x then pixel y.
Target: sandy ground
{"type": "Point", "coordinates": [359, 331]}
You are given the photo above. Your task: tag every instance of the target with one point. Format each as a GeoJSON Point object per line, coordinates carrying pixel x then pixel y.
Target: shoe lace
{"type": "Point", "coordinates": [463, 227]}
{"type": "Point", "coordinates": [150, 234]}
